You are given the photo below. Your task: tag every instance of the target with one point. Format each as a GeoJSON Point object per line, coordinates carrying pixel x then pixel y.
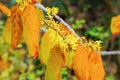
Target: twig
{"type": "Point", "coordinates": [110, 52]}
{"type": "Point", "coordinates": [59, 19]}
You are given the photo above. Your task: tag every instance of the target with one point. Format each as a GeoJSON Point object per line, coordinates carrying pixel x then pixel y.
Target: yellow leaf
{"type": "Point", "coordinates": [5, 10]}
{"type": "Point", "coordinates": [115, 26]}
{"type": "Point", "coordinates": [40, 15]}
{"type": "Point", "coordinates": [17, 27]}
{"type": "Point", "coordinates": [54, 65]}
{"type": "Point", "coordinates": [87, 65]}
{"type": "Point", "coordinates": [45, 47]}
{"type": "Point", "coordinates": [31, 29]}
{"type": "Point", "coordinates": [7, 31]}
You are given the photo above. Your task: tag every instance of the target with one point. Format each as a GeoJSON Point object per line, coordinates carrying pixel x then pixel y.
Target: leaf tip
{"type": "Point", "coordinates": [35, 56]}
{"type": "Point", "coordinates": [13, 45]}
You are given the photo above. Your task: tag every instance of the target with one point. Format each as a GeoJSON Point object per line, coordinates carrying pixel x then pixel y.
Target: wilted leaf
{"type": "Point", "coordinates": [17, 27]}
{"type": "Point", "coordinates": [5, 10]}
{"type": "Point", "coordinates": [54, 65]}
{"type": "Point", "coordinates": [7, 31]}
{"type": "Point", "coordinates": [31, 29]}
{"type": "Point", "coordinates": [115, 26]}
{"type": "Point", "coordinates": [87, 65]}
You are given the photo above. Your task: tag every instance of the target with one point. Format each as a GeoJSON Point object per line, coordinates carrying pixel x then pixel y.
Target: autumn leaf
{"type": "Point", "coordinates": [87, 65]}
{"type": "Point", "coordinates": [96, 66]}
{"type": "Point", "coordinates": [7, 31]}
{"type": "Point", "coordinates": [17, 27]}
{"type": "Point", "coordinates": [40, 15]}
{"type": "Point", "coordinates": [45, 47]}
{"type": "Point", "coordinates": [31, 29]}
{"type": "Point", "coordinates": [54, 65]}
{"type": "Point", "coordinates": [5, 10]}
{"type": "Point", "coordinates": [115, 26]}
{"type": "Point", "coordinates": [80, 63]}
{"type": "Point", "coordinates": [4, 64]}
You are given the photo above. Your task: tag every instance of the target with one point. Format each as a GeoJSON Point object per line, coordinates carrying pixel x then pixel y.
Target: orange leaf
{"type": "Point", "coordinates": [5, 10]}
{"type": "Point", "coordinates": [87, 65]}
{"type": "Point", "coordinates": [31, 29]}
{"type": "Point", "coordinates": [96, 66]}
{"type": "Point", "coordinates": [54, 65]}
{"type": "Point", "coordinates": [80, 63]}
{"type": "Point", "coordinates": [4, 64]}
{"type": "Point", "coordinates": [115, 26]}
{"type": "Point", "coordinates": [7, 31]}
{"type": "Point", "coordinates": [17, 27]}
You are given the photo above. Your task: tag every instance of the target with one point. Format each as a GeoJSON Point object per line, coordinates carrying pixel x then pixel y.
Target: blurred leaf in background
{"type": "Point", "coordinates": [97, 32]}
{"type": "Point", "coordinates": [111, 77]}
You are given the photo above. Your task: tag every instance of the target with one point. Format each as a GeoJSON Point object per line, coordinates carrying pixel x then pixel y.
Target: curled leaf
{"type": "Point", "coordinates": [31, 29]}
{"type": "Point", "coordinates": [17, 27]}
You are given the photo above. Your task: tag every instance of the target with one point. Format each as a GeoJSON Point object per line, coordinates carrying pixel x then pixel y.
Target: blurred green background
{"type": "Point", "coordinates": [89, 18]}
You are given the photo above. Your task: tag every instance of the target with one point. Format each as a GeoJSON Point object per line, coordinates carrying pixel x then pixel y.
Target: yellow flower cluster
{"type": "Point", "coordinates": [22, 4]}
{"type": "Point", "coordinates": [69, 43]}
{"type": "Point", "coordinates": [66, 42]}
{"type": "Point", "coordinates": [57, 35]}
{"type": "Point", "coordinates": [96, 45]}
{"type": "Point", "coordinates": [52, 11]}
{"type": "Point", "coordinates": [72, 40]}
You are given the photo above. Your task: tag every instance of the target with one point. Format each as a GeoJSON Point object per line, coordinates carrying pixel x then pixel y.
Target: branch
{"type": "Point", "coordinates": [68, 27]}
{"type": "Point", "coordinates": [59, 19]}
{"type": "Point", "coordinates": [110, 52]}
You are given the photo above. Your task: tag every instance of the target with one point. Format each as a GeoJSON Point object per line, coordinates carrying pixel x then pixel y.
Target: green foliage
{"type": "Point", "coordinates": [73, 1]}
{"type": "Point", "coordinates": [111, 77]}
{"type": "Point", "coordinates": [97, 32]}
{"type": "Point", "coordinates": [78, 24]}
